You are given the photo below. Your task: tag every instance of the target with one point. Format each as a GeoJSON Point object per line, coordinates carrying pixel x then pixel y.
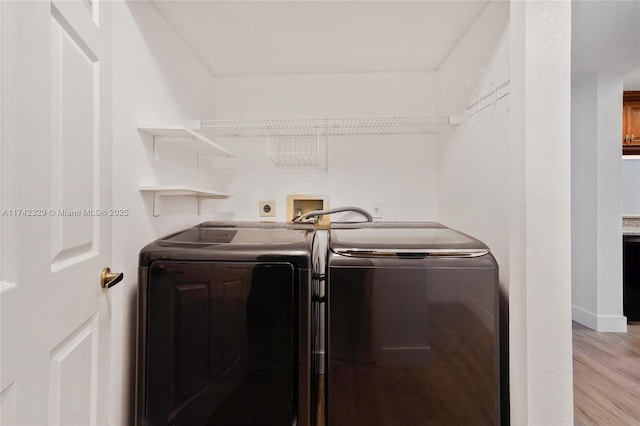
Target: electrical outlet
{"type": "Point", "coordinates": [267, 208]}
{"type": "Point", "coordinates": [377, 210]}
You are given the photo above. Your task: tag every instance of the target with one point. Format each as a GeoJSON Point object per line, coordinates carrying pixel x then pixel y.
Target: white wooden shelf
{"type": "Point", "coordinates": [329, 126]}
{"type": "Point", "coordinates": [179, 190]}
{"type": "Point", "coordinates": [177, 132]}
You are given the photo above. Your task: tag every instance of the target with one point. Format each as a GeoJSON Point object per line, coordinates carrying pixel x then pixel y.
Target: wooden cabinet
{"type": "Point", "coordinates": [631, 123]}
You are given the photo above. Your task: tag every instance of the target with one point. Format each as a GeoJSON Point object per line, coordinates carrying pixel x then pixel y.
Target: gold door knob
{"type": "Point", "coordinates": [108, 279]}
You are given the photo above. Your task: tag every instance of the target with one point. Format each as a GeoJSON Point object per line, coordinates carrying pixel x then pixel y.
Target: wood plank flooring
{"type": "Point", "coordinates": [606, 381]}
{"type": "Point", "coordinates": [606, 376]}
{"type": "Point", "coordinates": [453, 384]}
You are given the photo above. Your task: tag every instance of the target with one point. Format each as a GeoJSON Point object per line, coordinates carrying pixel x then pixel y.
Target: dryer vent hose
{"type": "Point", "coordinates": [314, 215]}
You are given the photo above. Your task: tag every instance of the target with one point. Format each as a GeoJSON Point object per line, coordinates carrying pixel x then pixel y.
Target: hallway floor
{"type": "Point", "coordinates": [606, 381]}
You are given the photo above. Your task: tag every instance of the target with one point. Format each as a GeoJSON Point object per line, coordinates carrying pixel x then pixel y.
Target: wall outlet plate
{"type": "Point", "coordinates": [267, 208]}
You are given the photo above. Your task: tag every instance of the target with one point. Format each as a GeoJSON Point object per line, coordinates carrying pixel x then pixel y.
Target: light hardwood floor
{"type": "Point", "coordinates": [606, 376]}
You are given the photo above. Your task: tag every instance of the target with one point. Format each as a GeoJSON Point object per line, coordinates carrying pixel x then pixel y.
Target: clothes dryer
{"type": "Point", "coordinates": [225, 334]}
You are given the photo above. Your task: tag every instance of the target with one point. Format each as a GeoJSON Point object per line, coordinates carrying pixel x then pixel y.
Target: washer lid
{"type": "Point", "coordinates": [405, 242]}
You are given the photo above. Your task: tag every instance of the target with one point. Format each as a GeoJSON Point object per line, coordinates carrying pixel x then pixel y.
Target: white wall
{"type": "Point", "coordinates": [609, 246]}
{"type": "Point", "coordinates": [631, 185]}
{"type": "Point", "coordinates": [156, 80]}
{"type": "Point", "coordinates": [540, 276]}
{"type": "Point", "coordinates": [597, 203]}
{"type": "Point", "coordinates": [399, 171]}
{"type": "Point", "coordinates": [474, 156]}
{"type": "Point", "coordinates": [584, 197]}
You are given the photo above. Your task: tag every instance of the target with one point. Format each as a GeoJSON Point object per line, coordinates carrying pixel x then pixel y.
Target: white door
{"type": "Point", "coordinates": [56, 231]}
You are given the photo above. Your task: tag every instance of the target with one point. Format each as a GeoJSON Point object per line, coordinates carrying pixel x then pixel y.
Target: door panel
{"type": "Point", "coordinates": [74, 89]}
{"type": "Point", "coordinates": [190, 340]}
{"type": "Point", "coordinates": [194, 357]}
{"type": "Point", "coordinates": [72, 380]}
{"type": "Point", "coordinates": [233, 322]}
{"type": "Point", "coordinates": [8, 405]}
{"type": "Point", "coordinates": [221, 344]}
{"type": "Point", "coordinates": [56, 136]}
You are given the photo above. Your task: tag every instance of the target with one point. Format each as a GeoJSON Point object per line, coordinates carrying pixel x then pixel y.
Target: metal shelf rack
{"type": "Point", "coordinates": [294, 151]}
{"type": "Point", "coordinates": [296, 142]}
{"type": "Point", "coordinates": [328, 126]}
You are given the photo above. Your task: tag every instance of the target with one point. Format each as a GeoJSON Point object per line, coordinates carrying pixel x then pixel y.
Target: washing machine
{"type": "Point", "coordinates": [412, 327]}
{"type": "Point", "coordinates": [224, 327]}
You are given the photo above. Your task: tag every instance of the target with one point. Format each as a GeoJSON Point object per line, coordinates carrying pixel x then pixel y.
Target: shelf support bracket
{"type": "Point", "coordinates": [199, 200]}
{"type": "Point", "coordinates": [157, 204]}
{"type": "Point", "coordinates": [205, 197]}
{"type": "Point", "coordinates": [155, 153]}
{"type": "Point", "coordinates": [157, 199]}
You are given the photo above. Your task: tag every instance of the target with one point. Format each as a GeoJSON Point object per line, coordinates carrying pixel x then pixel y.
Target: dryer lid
{"type": "Point", "coordinates": [241, 236]}
{"type": "Point", "coordinates": [405, 242]}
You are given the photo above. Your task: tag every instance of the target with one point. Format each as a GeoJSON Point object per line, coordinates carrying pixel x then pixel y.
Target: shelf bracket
{"type": "Point", "coordinates": [157, 199]}
{"type": "Point", "coordinates": [205, 197]}
{"type": "Point", "coordinates": [157, 204]}
{"type": "Point", "coordinates": [155, 152]}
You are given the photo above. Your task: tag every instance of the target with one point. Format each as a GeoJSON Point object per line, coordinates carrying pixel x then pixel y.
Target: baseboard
{"type": "Point", "coordinates": [586, 318]}
{"type": "Point", "coordinates": [604, 323]}
{"type": "Point", "coordinates": [611, 323]}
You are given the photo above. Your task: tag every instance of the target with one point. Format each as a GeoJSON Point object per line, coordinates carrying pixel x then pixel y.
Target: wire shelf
{"type": "Point", "coordinates": [294, 151]}
{"type": "Point", "coordinates": [488, 99]}
{"type": "Point", "coordinates": [327, 126]}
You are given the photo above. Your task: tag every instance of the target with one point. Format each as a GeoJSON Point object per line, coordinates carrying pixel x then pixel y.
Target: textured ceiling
{"type": "Point", "coordinates": [292, 37]}
{"type": "Point", "coordinates": [605, 37]}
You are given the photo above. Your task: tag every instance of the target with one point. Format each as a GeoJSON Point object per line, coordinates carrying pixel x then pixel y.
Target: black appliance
{"type": "Point", "coordinates": [412, 327]}
{"type": "Point", "coordinates": [631, 277]}
{"type": "Point", "coordinates": [225, 333]}
{"type": "Point", "coordinates": [231, 314]}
